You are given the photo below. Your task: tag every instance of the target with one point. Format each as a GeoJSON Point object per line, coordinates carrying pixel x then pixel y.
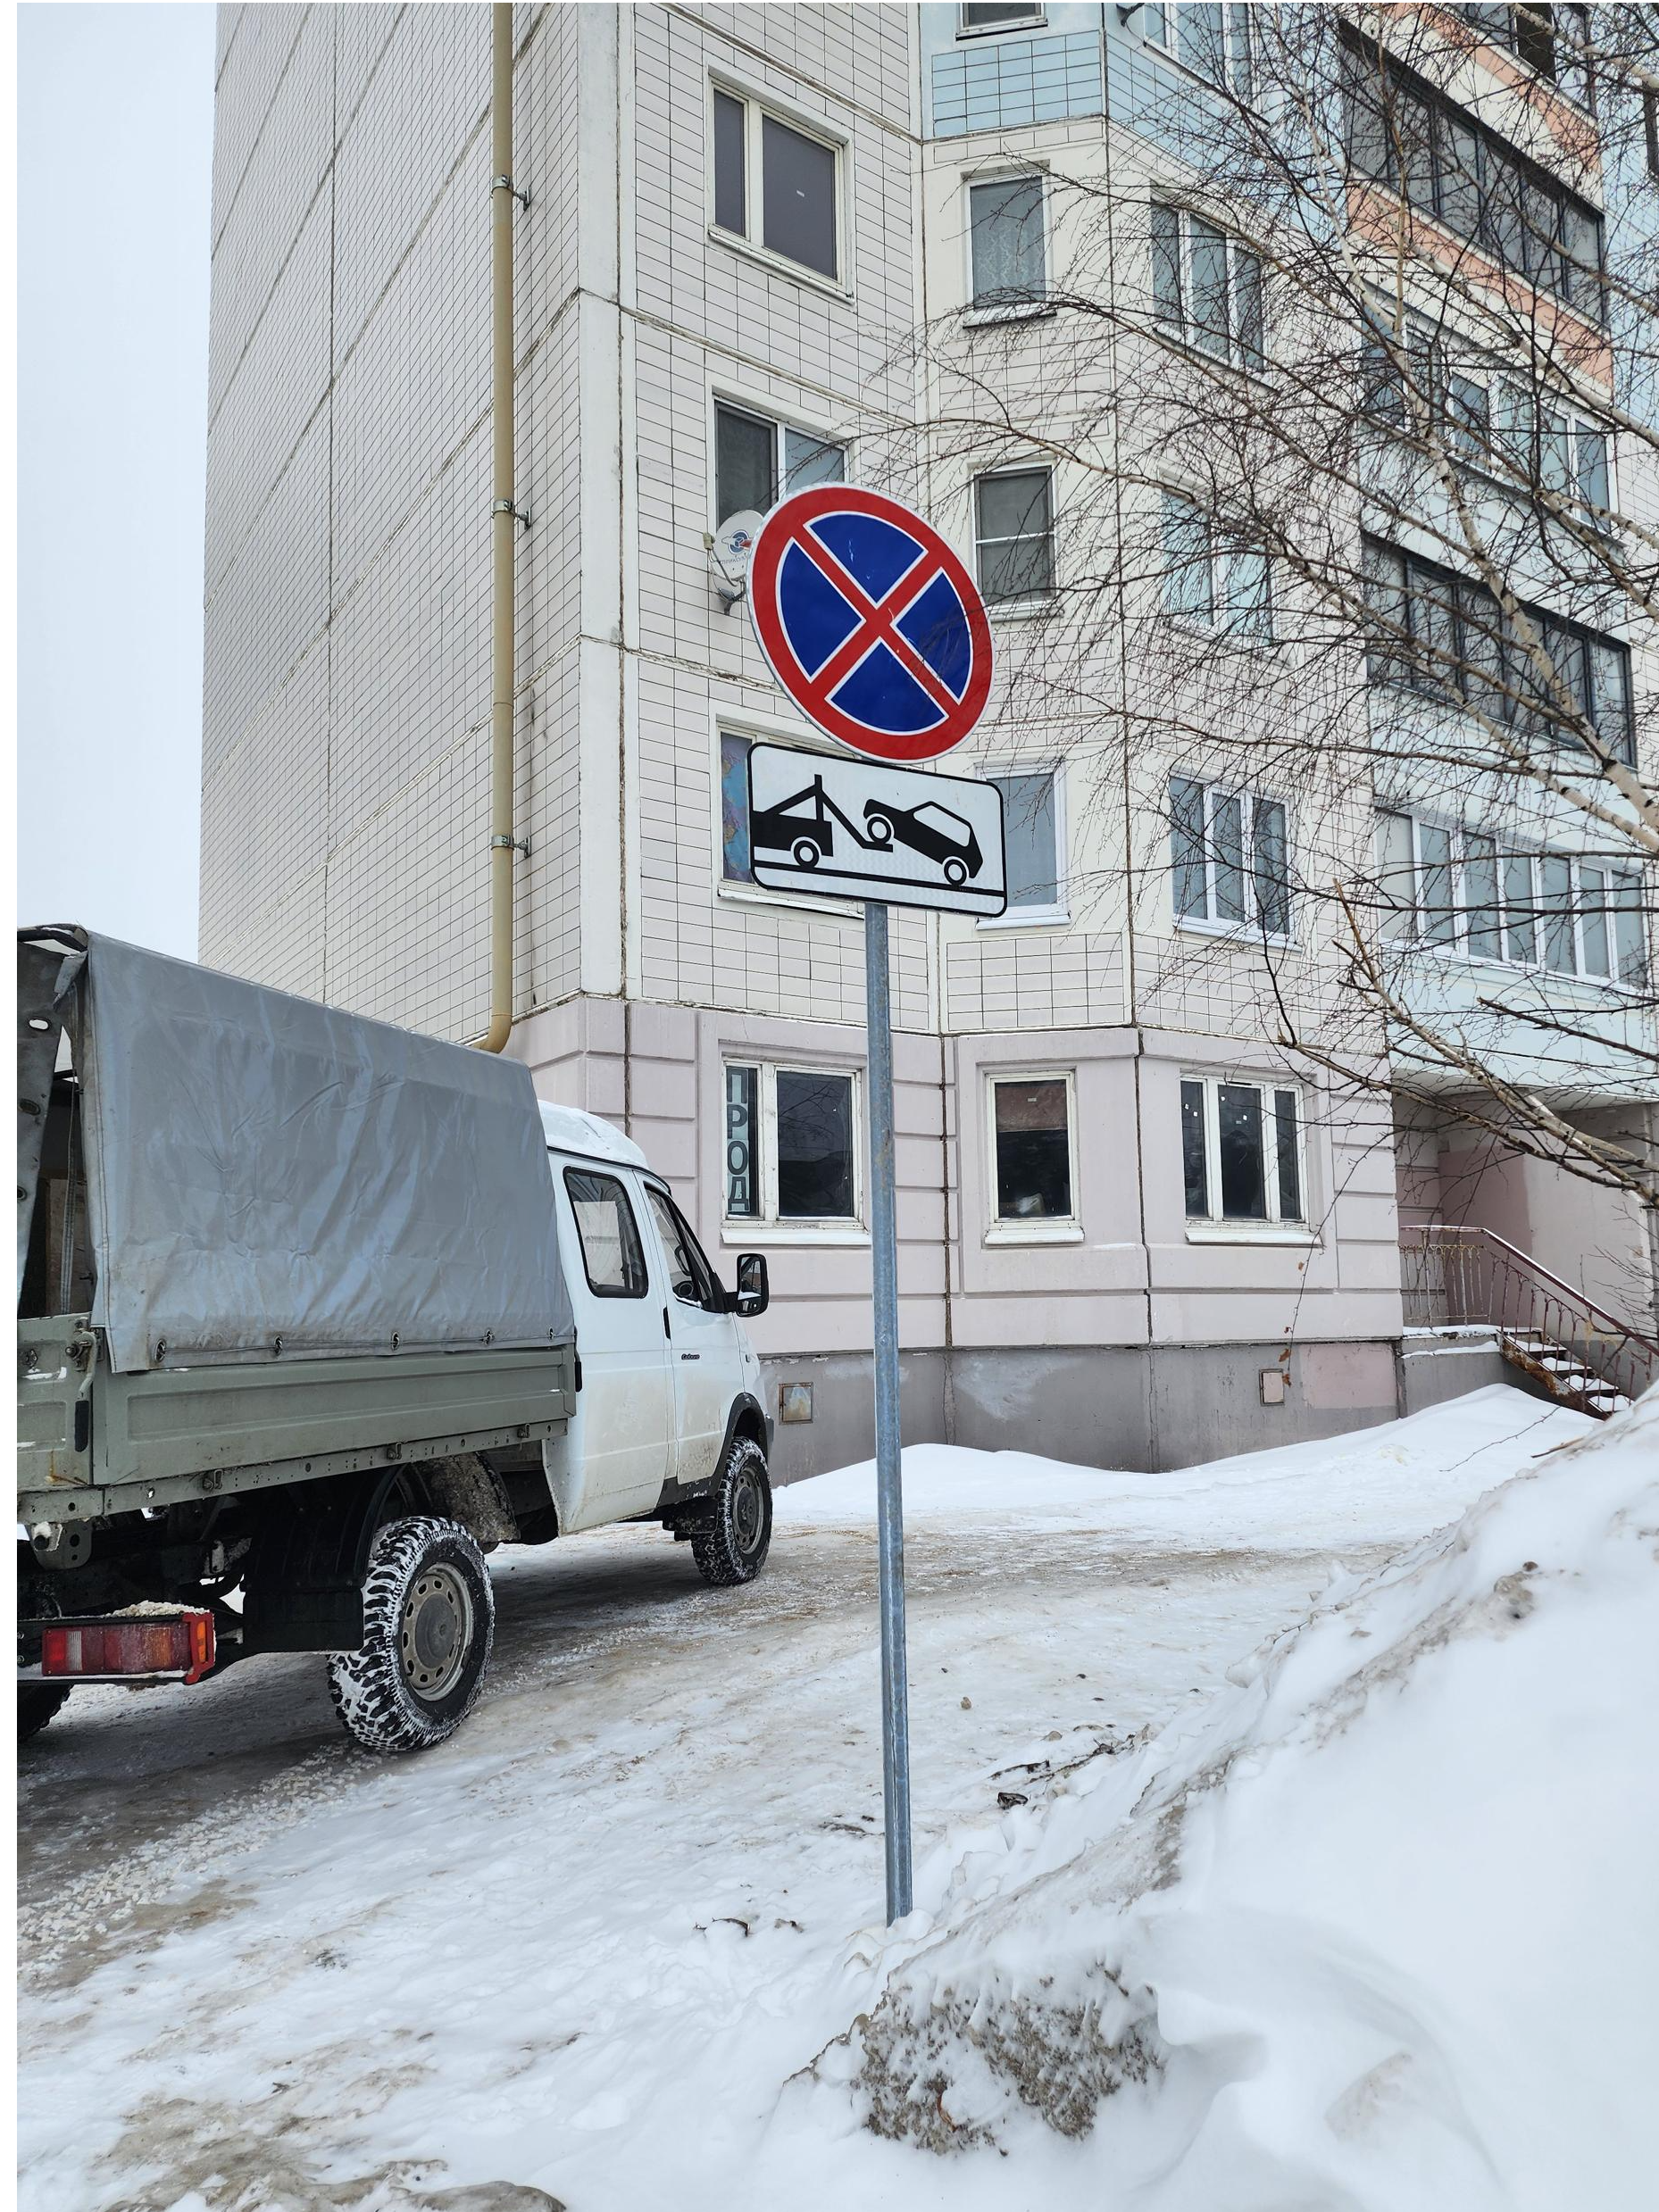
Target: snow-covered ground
{"type": "Point", "coordinates": [611, 1945]}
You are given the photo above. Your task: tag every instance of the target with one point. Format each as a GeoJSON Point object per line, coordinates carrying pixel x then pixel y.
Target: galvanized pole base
{"type": "Point", "coordinates": [889, 1498]}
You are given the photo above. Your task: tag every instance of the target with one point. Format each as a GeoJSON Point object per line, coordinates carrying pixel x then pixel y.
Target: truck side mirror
{"type": "Point", "coordinates": [753, 1292]}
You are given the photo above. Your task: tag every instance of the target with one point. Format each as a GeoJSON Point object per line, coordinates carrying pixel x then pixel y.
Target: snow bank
{"type": "Point", "coordinates": [1376, 1485]}
{"type": "Point", "coordinates": [1375, 1928]}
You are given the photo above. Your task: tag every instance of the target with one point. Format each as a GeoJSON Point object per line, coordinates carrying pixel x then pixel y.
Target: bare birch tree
{"type": "Point", "coordinates": [1335, 387]}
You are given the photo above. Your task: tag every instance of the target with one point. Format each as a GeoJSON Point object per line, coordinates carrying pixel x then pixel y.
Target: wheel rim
{"type": "Point", "coordinates": [748, 1512]}
{"type": "Point", "coordinates": [436, 1632]}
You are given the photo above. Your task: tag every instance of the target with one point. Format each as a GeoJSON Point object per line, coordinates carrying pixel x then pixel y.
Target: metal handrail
{"type": "Point", "coordinates": [1471, 1275]}
{"type": "Point", "coordinates": [1574, 1297]}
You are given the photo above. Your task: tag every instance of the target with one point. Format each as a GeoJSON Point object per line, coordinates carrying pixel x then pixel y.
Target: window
{"type": "Point", "coordinates": [611, 1257]}
{"type": "Point", "coordinates": [755, 460]}
{"type": "Point", "coordinates": [1031, 840]}
{"type": "Point", "coordinates": [1206, 287]}
{"type": "Point", "coordinates": [1230, 863]}
{"type": "Point", "coordinates": [691, 1278]}
{"type": "Point", "coordinates": [793, 212]}
{"type": "Point", "coordinates": [1212, 40]}
{"type": "Point", "coordinates": [1555, 41]}
{"type": "Point", "coordinates": [1241, 1152]}
{"type": "Point", "coordinates": [1210, 578]}
{"type": "Point", "coordinates": [1403, 134]}
{"type": "Point", "coordinates": [1031, 1140]}
{"type": "Point", "coordinates": [1456, 890]}
{"type": "Point", "coordinates": [790, 1145]}
{"type": "Point", "coordinates": [737, 863]}
{"type": "Point", "coordinates": [1449, 639]}
{"type": "Point", "coordinates": [1486, 417]}
{"type": "Point", "coordinates": [1552, 446]}
{"type": "Point", "coordinates": [1013, 516]}
{"type": "Point", "coordinates": [1006, 242]}
{"type": "Point", "coordinates": [1008, 16]}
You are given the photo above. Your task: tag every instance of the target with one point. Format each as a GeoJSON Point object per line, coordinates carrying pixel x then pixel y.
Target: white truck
{"type": "Point", "coordinates": [313, 1314]}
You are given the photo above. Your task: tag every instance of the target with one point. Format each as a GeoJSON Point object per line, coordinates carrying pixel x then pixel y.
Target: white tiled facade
{"type": "Point", "coordinates": [346, 769]}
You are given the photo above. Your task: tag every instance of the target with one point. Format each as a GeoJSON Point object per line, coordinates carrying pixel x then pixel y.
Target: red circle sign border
{"type": "Point", "coordinates": [781, 529]}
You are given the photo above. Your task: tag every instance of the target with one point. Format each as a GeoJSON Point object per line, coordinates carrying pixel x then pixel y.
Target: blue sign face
{"type": "Point", "coordinates": [871, 622]}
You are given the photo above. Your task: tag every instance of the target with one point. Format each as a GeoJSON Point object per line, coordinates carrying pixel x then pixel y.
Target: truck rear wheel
{"type": "Point", "coordinates": [37, 1703]}
{"type": "Point", "coordinates": [731, 1547]}
{"type": "Point", "coordinates": [428, 1619]}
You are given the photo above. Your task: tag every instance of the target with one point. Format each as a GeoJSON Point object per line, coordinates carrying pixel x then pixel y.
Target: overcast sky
{"type": "Point", "coordinates": [115, 120]}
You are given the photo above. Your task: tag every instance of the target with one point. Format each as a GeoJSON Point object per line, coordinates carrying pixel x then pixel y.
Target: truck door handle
{"type": "Point", "coordinates": [666, 1330]}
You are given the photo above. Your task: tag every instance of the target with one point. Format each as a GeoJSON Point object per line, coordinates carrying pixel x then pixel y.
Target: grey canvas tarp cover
{"type": "Point", "coordinates": [262, 1169]}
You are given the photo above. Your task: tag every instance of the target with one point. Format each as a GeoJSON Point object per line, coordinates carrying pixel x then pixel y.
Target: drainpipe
{"type": "Point", "coordinates": [503, 522]}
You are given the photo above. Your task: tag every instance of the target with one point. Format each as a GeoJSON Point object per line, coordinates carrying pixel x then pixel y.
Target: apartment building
{"type": "Point", "coordinates": [762, 247]}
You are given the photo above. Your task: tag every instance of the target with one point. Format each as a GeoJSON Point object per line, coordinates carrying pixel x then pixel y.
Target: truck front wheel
{"type": "Point", "coordinates": [731, 1546]}
{"type": "Point", "coordinates": [428, 1619]}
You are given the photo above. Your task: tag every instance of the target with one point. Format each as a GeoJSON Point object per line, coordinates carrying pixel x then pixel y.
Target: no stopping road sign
{"type": "Point", "coordinates": [871, 622]}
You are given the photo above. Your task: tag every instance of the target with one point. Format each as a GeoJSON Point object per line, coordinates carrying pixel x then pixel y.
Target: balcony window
{"type": "Point", "coordinates": [1449, 639]}
{"type": "Point", "coordinates": [1404, 134]}
{"type": "Point", "coordinates": [1457, 891]}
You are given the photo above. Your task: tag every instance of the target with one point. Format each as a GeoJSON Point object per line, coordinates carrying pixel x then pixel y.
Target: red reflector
{"type": "Point", "coordinates": [176, 1643]}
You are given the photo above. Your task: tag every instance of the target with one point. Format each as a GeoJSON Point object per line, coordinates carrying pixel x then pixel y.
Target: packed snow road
{"type": "Point", "coordinates": [572, 1956]}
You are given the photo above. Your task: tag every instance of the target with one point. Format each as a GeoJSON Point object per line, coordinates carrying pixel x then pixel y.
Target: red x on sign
{"type": "Point", "coordinates": [870, 621]}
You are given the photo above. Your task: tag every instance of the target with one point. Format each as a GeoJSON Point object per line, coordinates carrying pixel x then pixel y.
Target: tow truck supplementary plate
{"type": "Point", "coordinates": [856, 829]}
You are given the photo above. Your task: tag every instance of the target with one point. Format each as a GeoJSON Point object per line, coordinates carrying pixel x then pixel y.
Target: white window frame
{"type": "Point", "coordinates": [1457, 946]}
{"type": "Point", "coordinates": [1056, 1228]}
{"type": "Point", "coordinates": [1167, 42]}
{"type": "Point", "coordinates": [1060, 912]}
{"type": "Point", "coordinates": [1185, 333]}
{"type": "Point", "coordinates": [1010, 311]}
{"type": "Point", "coordinates": [1210, 925]}
{"type": "Point", "coordinates": [767, 1227]}
{"type": "Point", "coordinates": [755, 105]}
{"type": "Point", "coordinates": [763, 410]}
{"type": "Point", "coordinates": [1036, 20]}
{"type": "Point", "coordinates": [1224, 619]}
{"type": "Point", "coordinates": [1034, 603]}
{"type": "Point", "coordinates": [1429, 346]}
{"type": "Point", "coordinates": [1214, 1227]}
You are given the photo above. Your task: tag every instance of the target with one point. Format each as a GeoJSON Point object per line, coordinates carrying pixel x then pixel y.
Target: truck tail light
{"type": "Point", "coordinates": [177, 1644]}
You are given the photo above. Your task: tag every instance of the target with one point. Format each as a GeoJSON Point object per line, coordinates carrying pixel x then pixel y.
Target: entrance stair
{"type": "Point", "coordinates": [1456, 1277]}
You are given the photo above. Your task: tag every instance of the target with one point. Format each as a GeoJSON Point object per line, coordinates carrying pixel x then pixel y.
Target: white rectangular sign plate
{"type": "Point", "coordinates": [859, 829]}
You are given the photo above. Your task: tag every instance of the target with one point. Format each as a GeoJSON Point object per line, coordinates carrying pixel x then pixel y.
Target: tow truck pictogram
{"type": "Point", "coordinates": [803, 826]}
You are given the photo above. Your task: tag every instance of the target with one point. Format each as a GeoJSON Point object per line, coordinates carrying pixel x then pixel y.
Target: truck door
{"type": "Point", "coordinates": [703, 1345]}
{"type": "Point", "coordinates": [621, 1441]}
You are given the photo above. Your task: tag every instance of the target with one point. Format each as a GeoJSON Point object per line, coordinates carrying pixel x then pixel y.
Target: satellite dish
{"type": "Point", "coordinates": [729, 555]}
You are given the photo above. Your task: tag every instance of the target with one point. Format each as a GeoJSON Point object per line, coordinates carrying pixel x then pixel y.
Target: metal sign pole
{"type": "Point", "coordinates": [890, 1497]}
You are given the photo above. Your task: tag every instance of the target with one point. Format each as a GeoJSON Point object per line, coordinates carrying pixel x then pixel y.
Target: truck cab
{"type": "Point", "coordinates": [667, 1374]}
